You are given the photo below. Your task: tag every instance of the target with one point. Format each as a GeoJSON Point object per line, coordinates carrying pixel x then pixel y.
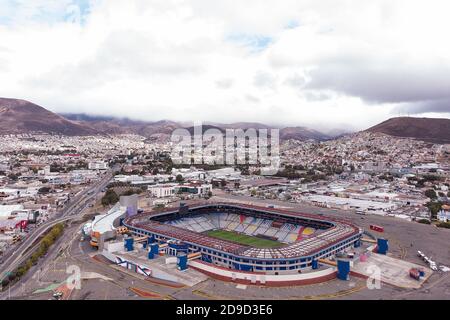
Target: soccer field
{"type": "Point", "coordinates": [244, 239]}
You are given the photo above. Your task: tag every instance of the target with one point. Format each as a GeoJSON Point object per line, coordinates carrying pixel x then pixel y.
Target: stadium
{"type": "Point", "coordinates": [247, 239]}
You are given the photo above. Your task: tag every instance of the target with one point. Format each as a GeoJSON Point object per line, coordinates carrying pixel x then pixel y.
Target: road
{"type": "Point", "coordinates": [72, 211]}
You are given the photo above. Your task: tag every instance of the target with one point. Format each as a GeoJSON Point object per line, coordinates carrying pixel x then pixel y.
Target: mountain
{"type": "Point", "coordinates": [434, 130]}
{"type": "Point", "coordinates": [206, 127]}
{"type": "Point", "coordinates": [20, 116]}
{"type": "Point", "coordinates": [111, 125]}
{"type": "Point", "coordinates": [163, 129]}
{"type": "Point", "coordinates": [240, 125]}
{"type": "Point", "coordinates": [302, 133]}
{"type": "Point", "coordinates": [294, 133]}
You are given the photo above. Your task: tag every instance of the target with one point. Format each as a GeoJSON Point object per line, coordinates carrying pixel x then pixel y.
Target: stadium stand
{"type": "Point", "coordinates": [252, 226]}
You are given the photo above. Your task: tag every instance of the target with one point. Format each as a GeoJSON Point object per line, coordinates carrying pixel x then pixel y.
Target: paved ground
{"type": "Point", "coordinates": [391, 270]}
{"type": "Point", "coordinates": [405, 238]}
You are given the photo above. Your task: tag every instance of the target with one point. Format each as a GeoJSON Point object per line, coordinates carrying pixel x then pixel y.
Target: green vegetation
{"type": "Point", "coordinates": [13, 177]}
{"type": "Point", "coordinates": [244, 239]}
{"type": "Point", "coordinates": [430, 193]}
{"type": "Point", "coordinates": [434, 208]}
{"type": "Point", "coordinates": [118, 184]}
{"type": "Point", "coordinates": [110, 197]}
{"type": "Point", "coordinates": [47, 241]}
{"type": "Point", "coordinates": [388, 177]}
{"type": "Point", "coordinates": [431, 178]}
{"type": "Point", "coordinates": [444, 225]}
{"type": "Point", "coordinates": [420, 181]}
{"type": "Point", "coordinates": [424, 221]}
{"type": "Point", "coordinates": [44, 190]}
{"type": "Point", "coordinates": [132, 191]}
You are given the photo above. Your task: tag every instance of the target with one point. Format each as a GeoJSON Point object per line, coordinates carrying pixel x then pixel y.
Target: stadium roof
{"type": "Point", "coordinates": [338, 232]}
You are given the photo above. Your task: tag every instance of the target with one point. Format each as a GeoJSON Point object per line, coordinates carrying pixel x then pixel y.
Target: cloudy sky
{"type": "Point", "coordinates": [325, 64]}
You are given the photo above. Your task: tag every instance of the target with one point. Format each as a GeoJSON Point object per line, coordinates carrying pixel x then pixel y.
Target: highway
{"type": "Point", "coordinates": [72, 211]}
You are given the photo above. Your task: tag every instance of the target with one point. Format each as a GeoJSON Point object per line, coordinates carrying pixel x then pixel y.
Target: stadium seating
{"type": "Point", "coordinates": [286, 233]}
{"type": "Point", "coordinates": [308, 231]}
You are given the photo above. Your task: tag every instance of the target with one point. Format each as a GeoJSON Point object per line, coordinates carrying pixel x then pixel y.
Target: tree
{"type": "Point", "coordinates": [12, 276]}
{"type": "Point", "coordinates": [44, 190]}
{"type": "Point", "coordinates": [444, 225]}
{"type": "Point", "coordinates": [434, 208]}
{"type": "Point", "coordinates": [5, 282]}
{"type": "Point", "coordinates": [130, 192]}
{"type": "Point", "coordinates": [13, 177]}
{"type": "Point", "coordinates": [430, 193]}
{"type": "Point", "coordinates": [110, 197]}
{"type": "Point", "coordinates": [179, 178]}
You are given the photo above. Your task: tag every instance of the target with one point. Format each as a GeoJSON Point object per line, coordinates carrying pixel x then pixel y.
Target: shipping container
{"type": "Point", "coordinates": [376, 228]}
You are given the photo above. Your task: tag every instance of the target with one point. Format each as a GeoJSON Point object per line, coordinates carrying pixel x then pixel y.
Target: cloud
{"type": "Point", "coordinates": [317, 63]}
{"type": "Point", "coordinates": [224, 83]}
{"type": "Point", "coordinates": [15, 12]}
{"type": "Point", "coordinates": [433, 106]}
{"type": "Point", "coordinates": [264, 80]}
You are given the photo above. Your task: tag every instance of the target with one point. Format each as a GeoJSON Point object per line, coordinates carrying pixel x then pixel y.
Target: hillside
{"type": "Point", "coordinates": [111, 125]}
{"type": "Point", "coordinates": [427, 129]}
{"type": "Point", "coordinates": [302, 133]}
{"type": "Point", "coordinates": [20, 116]}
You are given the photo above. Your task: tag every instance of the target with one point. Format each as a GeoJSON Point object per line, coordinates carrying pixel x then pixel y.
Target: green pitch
{"type": "Point", "coordinates": [244, 239]}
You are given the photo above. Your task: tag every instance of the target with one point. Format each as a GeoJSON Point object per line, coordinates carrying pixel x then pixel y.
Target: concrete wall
{"type": "Point", "coordinates": [263, 279]}
{"type": "Point", "coordinates": [114, 246]}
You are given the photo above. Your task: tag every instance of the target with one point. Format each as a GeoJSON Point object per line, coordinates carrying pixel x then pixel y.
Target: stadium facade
{"type": "Point", "coordinates": [303, 238]}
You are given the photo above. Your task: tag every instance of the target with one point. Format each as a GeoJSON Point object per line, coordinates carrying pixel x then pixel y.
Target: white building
{"type": "Point", "coordinates": [375, 207]}
{"type": "Point", "coordinates": [8, 211]}
{"type": "Point", "coordinates": [444, 214]}
{"type": "Point", "coordinates": [194, 188]}
{"type": "Point", "coordinates": [126, 178]}
{"type": "Point", "coordinates": [162, 190]}
{"type": "Point", "coordinates": [97, 165]}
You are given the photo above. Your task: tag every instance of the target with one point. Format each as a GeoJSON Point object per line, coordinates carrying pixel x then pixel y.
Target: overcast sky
{"type": "Point", "coordinates": [324, 64]}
